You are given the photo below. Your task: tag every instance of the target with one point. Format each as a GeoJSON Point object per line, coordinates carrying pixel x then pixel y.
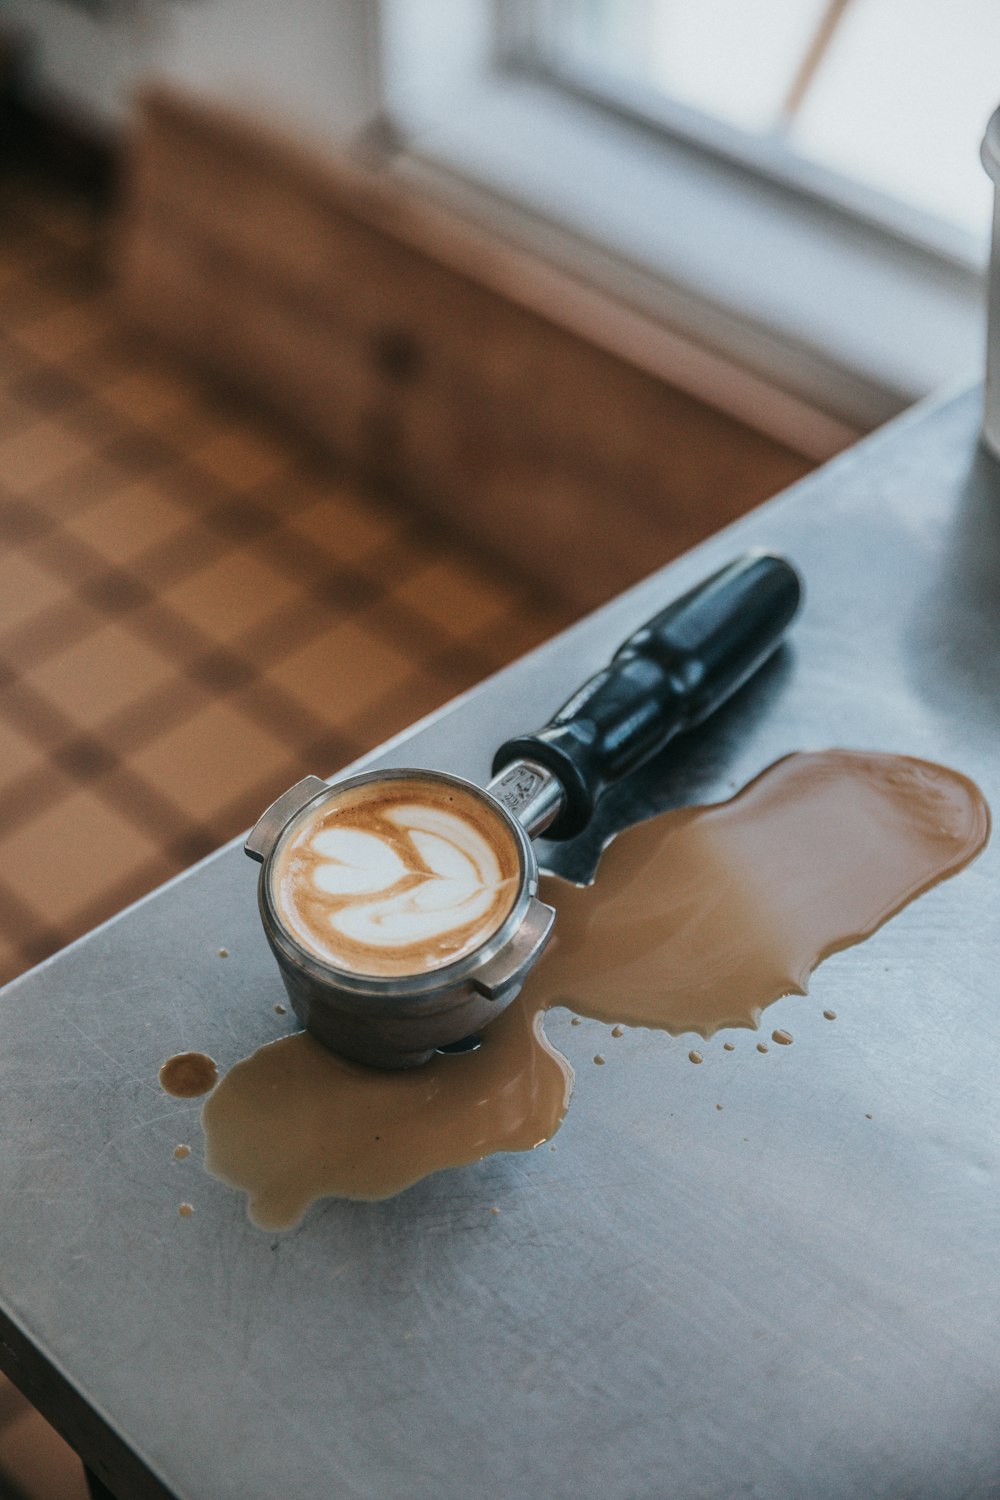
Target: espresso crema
{"type": "Point", "coordinates": [397, 876]}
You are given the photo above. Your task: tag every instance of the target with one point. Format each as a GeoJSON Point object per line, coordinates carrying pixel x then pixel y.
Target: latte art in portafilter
{"type": "Point", "coordinates": [397, 876]}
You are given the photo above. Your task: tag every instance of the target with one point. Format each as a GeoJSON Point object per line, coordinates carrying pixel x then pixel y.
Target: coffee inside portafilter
{"type": "Point", "coordinates": [397, 876]}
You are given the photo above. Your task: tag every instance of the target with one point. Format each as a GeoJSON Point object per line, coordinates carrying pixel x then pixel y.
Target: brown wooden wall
{"type": "Point", "coordinates": [414, 348]}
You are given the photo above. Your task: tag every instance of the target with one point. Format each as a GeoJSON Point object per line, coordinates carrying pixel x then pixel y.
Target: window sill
{"type": "Point", "coordinates": [779, 308]}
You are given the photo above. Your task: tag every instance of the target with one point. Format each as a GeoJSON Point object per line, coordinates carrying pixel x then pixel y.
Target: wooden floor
{"type": "Point", "coordinates": [195, 611]}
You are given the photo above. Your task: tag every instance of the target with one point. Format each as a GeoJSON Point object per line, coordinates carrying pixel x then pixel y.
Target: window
{"type": "Point", "coordinates": [802, 298]}
{"type": "Point", "coordinates": [878, 105]}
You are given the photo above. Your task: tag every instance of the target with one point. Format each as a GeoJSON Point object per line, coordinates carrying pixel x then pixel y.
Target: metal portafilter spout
{"type": "Point", "coordinates": [667, 677]}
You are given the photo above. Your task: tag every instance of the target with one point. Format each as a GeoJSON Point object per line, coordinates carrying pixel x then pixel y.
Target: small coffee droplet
{"type": "Point", "coordinates": [783, 1038]}
{"type": "Point", "coordinates": [761, 1046]}
{"type": "Point", "coordinates": [181, 1151]}
{"type": "Point", "coordinates": [599, 1060]}
{"type": "Point", "coordinates": [279, 1010]}
{"type": "Point", "coordinates": [830, 1015]}
{"type": "Point", "coordinates": [188, 1074]}
{"type": "Point", "coordinates": [223, 952]}
{"type": "Point", "coordinates": [575, 1021]}
{"type": "Point", "coordinates": [186, 1210]}
{"type": "Point", "coordinates": [617, 1031]}
{"type": "Point", "coordinates": [494, 1210]}
{"type": "Point", "coordinates": [695, 1057]}
{"type": "Point", "coordinates": [718, 1106]}
{"type": "Point", "coordinates": [729, 1046]}
{"type": "Point", "coordinates": [867, 1117]}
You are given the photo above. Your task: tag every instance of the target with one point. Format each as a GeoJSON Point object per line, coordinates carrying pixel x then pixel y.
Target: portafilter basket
{"type": "Point", "coordinates": [668, 677]}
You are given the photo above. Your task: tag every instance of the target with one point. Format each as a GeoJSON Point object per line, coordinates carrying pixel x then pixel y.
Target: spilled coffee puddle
{"type": "Point", "coordinates": [698, 920]}
{"type": "Point", "coordinates": [295, 1122]}
{"type": "Point", "coordinates": [703, 916]}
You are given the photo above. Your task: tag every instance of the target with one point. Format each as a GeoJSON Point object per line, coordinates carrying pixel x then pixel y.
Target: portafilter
{"type": "Point", "coordinates": [668, 677]}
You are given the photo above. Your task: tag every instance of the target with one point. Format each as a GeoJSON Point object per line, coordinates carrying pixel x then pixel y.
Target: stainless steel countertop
{"type": "Point", "coordinates": [783, 1299]}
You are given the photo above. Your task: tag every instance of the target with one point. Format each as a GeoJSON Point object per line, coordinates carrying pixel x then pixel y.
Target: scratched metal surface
{"type": "Point", "coordinates": [781, 1299]}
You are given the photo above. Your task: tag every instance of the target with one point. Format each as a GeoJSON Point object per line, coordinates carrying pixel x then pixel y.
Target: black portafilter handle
{"type": "Point", "coordinates": [667, 677]}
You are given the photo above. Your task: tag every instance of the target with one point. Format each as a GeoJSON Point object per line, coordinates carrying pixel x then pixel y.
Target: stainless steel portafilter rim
{"type": "Point", "coordinates": [398, 1021]}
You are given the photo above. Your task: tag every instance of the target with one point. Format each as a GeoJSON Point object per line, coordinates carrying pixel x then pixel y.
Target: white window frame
{"type": "Point", "coordinates": [809, 319]}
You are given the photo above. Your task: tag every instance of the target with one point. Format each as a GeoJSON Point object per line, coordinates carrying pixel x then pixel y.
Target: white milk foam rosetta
{"type": "Point", "coordinates": [397, 877]}
{"type": "Point", "coordinates": [462, 875]}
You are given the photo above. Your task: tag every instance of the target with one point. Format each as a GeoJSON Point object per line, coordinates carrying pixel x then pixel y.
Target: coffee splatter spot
{"type": "Point", "coordinates": [188, 1074]}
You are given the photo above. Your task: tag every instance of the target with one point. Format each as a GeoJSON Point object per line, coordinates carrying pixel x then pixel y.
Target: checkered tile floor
{"type": "Point", "coordinates": [195, 610]}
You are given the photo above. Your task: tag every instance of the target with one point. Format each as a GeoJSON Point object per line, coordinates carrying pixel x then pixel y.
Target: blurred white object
{"type": "Point", "coordinates": [991, 415]}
